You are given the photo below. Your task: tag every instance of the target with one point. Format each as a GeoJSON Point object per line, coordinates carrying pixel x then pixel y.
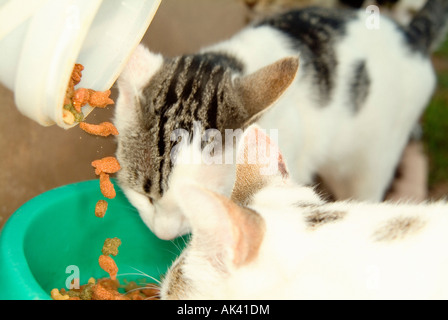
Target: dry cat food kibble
{"type": "Point", "coordinates": [108, 288]}
{"type": "Point", "coordinates": [105, 288]}
{"type": "Point", "coordinates": [103, 129]}
{"type": "Point", "coordinates": [106, 186]}
{"type": "Point", "coordinates": [97, 99]}
{"type": "Point", "coordinates": [101, 208]}
{"type": "Point", "coordinates": [108, 264]}
{"type": "Point", "coordinates": [56, 295]}
{"type": "Point", "coordinates": [100, 99]}
{"type": "Point", "coordinates": [106, 165]}
{"type": "Point", "coordinates": [110, 246]}
{"type": "Point", "coordinates": [75, 99]}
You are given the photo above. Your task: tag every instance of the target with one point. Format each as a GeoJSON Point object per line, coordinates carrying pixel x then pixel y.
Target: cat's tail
{"type": "Point", "coordinates": [429, 27]}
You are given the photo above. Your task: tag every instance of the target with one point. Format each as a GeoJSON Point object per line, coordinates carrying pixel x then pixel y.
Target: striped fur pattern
{"type": "Point", "coordinates": [323, 110]}
{"type": "Point", "coordinates": [424, 32]}
{"type": "Point", "coordinates": [208, 89]}
{"type": "Point", "coordinates": [187, 89]}
{"type": "Point", "coordinates": [302, 247]}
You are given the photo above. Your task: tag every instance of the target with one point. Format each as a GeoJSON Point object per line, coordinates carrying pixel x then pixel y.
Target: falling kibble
{"type": "Point", "coordinates": [103, 129]}
{"type": "Point", "coordinates": [106, 165]}
{"type": "Point", "coordinates": [108, 264]}
{"type": "Point", "coordinates": [110, 246]}
{"type": "Point", "coordinates": [101, 208]}
{"type": "Point", "coordinates": [106, 186]}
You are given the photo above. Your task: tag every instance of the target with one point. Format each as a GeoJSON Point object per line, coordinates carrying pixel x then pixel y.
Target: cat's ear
{"type": "Point", "coordinates": [141, 66]}
{"type": "Point", "coordinates": [139, 69]}
{"type": "Point", "coordinates": [225, 232]}
{"type": "Point", "coordinates": [259, 90]}
{"type": "Point", "coordinates": [259, 162]}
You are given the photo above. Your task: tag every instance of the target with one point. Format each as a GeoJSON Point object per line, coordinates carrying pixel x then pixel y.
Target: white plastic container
{"type": "Point", "coordinates": [41, 40]}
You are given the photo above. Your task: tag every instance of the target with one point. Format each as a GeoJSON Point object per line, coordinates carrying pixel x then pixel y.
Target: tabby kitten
{"type": "Point", "coordinates": [287, 243]}
{"type": "Point", "coordinates": [345, 114]}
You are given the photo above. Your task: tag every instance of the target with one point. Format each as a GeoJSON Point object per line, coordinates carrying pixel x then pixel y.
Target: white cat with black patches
{"type": "Point", "coordinates": [287, 243]}
{"type": "Point", "coordinates": [400, 10]}
{"type": "Point", "coordinates": [345, 114]}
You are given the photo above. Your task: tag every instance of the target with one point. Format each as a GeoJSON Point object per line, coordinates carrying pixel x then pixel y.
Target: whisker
{"type": "Point", "coordinates": [152, 297]}
{"type": "Point", "coordinates": [139, 274]}
{"type": "Point", "coordinates": [147, 275]}
{"type": "Point", "coordinates": [175, 244]}
{"type": "Point", "coordinates": [171, 252]}
{"type": "Point", "coordinates": [141, 288]}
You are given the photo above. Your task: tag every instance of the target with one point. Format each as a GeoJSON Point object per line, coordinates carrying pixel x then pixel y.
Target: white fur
{"type": "Point", "coordinates": [142, 65]}
{"type": "Point", "coordinates": [339, 260]}
{"type": "Point", "coordinates": [163, 216]}
{"type": "Point", "coordinates": [168, 221]}
{"type": "Point", "coordinates": [342, 259]}
{"type": "Point", "coordinates": [355, 155]}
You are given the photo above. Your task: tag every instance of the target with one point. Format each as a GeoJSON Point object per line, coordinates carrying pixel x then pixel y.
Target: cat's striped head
{"type": "Point", "coordinates": [160, 97]}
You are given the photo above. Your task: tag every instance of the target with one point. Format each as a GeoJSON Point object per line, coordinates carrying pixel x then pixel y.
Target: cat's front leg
{"type": "Point", "coordinates": [359, 179]}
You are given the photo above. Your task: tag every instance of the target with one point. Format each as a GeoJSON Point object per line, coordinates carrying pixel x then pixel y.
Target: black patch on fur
{"type": "Point", "coordinates": [147, 185]}
{"type": "Point", "coordinates": [170, 99]}
{"type": "Point", "coordinates": [185, 90]}
{"type": "Point", "coordinates": [224, 60]}
{"type": "Point", "coordinates": [304, 205]}
{"type": "Point", "coordinates": [428, 27]}
{"type": "Point", "coordinates": [398, 228]}
{"type": "Point", "coordinates": [319, 217]}
{"type": "Point", "coordinates": [314, 32]}
{"type": "Point", "coordinates": [359, 86]}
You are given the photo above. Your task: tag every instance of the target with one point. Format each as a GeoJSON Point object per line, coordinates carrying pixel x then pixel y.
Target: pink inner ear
{"type": "Point", "coordinates": [262, 139]}
{"type": "Point", "coordinates": [282, 166]}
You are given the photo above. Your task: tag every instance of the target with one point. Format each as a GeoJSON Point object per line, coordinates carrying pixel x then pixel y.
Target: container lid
{"type": "Point", "coordinates": [101, 35]}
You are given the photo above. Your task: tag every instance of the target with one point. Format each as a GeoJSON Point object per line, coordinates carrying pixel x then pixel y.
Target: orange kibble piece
{"type": "Point", "coordinates": [101, 208]}
{"type": "Point", "coordinates": [135, 295]}
{"type": "Point", "coordinates": [151, 293]}
{"type": "Point", "coordinates": [80, 98]}
{"type": "Point", "coordinates": [100, 99]}
{"type": "Point", "coordinates": [109, 284]}
{"type": "Point", "coordinates": [77, 73]}
{"type": "Point", "coordinates": [108, 264]}
{"type": "Point", "coordinates": [106, 165]}
{"type": "Point", "coordinates": [106, 186]}
{"type": "Point", "coordinates": [69, 92]}
{"type": "Point", "coordinates": [103, 129]}
{"type": "Point", "coordinates": [101, 293]}
{"type": "Point", "coordinates": [57, 295]}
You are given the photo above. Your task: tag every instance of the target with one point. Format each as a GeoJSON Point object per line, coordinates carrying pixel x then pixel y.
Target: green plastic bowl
{"type": "Point", "coordinates": [56, 235]}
